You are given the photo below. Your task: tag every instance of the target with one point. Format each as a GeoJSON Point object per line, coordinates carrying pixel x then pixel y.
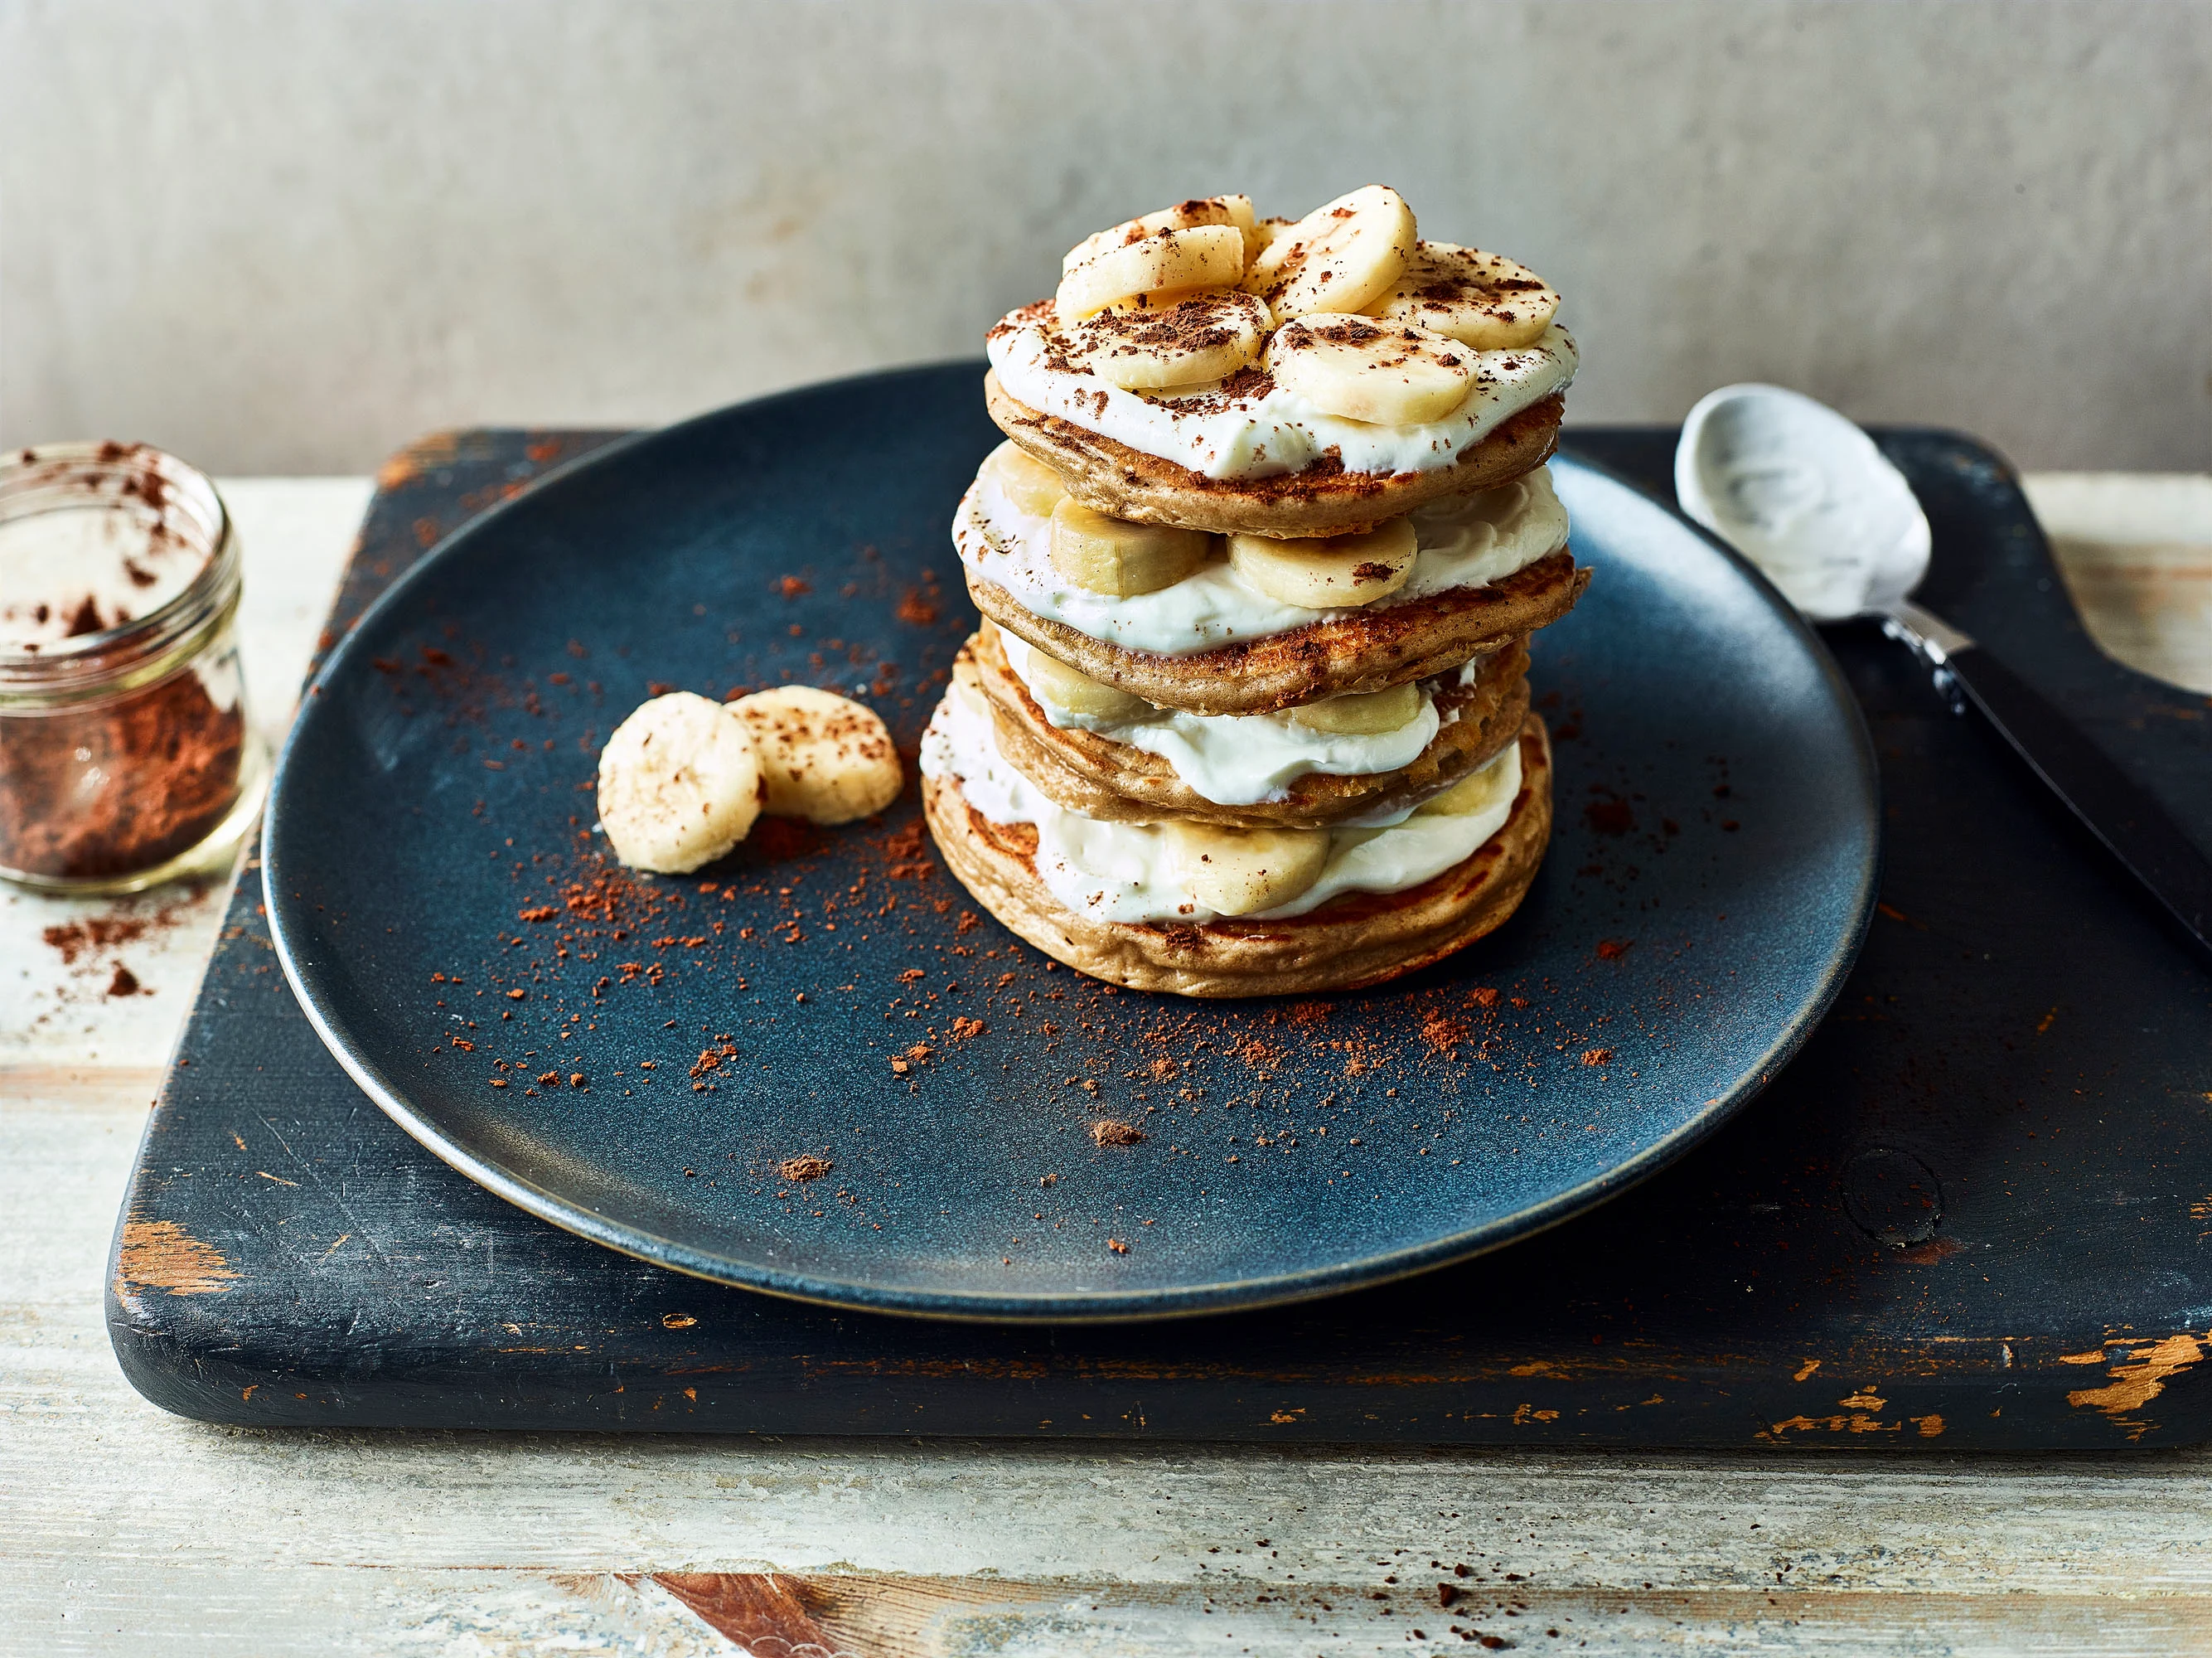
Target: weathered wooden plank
{"type": "Point", "coordinates": [2136, 552]}
{"type": "Point", "coordinates": [485, 1613]}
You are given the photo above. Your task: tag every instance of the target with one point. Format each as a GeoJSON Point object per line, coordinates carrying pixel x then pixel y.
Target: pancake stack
{"type": "Point", "coordinates": [1259, 564]}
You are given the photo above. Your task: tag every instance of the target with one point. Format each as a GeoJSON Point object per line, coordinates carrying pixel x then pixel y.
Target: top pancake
{"type": "Point", "coordinates": [1107, 476]}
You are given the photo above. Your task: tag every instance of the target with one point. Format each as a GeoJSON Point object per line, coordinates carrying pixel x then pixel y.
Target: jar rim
{"type": "Point", "coordinates": [154, 486]}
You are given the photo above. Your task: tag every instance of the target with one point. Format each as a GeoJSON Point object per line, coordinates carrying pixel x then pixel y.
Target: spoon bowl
{"type": "Point", "coordinates": [1804, 495]}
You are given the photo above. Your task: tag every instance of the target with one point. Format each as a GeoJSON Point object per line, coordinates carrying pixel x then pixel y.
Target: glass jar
{"type": "Point", "coordinates": [127, 757]}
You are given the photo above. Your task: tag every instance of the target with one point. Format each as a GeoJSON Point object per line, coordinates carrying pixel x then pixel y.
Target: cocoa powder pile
{"type": "Point", "coordinates": [117, 786]}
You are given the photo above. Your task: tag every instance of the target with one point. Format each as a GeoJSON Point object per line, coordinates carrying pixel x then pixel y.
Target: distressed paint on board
{"type": "Point", "coordinates": [162, 1255]}
{"type": "Point", "coordinates": [2139, 1372]}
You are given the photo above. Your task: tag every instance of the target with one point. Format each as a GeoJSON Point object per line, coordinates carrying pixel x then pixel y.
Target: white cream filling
{"type": "Point", "coordinates": [1124, 871]}
{"type": "Point", "coordinates": [1465, 541]}
{"type": "Point", "coordinates": [1239, 759]}
{"type": "Point", "coordinates": [1280, 431]}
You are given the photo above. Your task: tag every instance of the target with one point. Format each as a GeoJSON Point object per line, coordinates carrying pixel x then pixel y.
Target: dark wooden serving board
{"type": "Point", "coordinates": [1975, 1212]}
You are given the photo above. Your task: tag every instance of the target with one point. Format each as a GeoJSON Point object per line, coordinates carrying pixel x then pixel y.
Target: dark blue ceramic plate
{"type": "Point", "coordinates": [448, 920]}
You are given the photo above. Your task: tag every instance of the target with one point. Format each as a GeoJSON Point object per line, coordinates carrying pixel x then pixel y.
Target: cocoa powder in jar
{"type": "Point", "coordinates": [123, 740]}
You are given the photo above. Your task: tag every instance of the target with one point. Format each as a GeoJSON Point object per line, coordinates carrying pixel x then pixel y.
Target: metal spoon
{"type": "Point", "coordinates": [1807, 496]}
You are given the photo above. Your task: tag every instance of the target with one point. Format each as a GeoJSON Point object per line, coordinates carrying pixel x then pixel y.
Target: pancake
{"type": "Point", "coordinates": [1118, 781]}
{"type": "Point", "coordinates": [1356, 939]}
{"type": "Point", "coordinates": [1370, 649]}
{"type": "Point", "coordinates": [1107, 476]}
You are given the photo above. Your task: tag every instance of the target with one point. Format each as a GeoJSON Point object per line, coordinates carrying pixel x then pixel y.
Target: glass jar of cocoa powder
{"type": "Point", "coordinates": [125, 755]}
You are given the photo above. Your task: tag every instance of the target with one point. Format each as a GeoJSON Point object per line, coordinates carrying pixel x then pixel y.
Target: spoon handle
{"type": "Point", "coordinates": [2114, 807]}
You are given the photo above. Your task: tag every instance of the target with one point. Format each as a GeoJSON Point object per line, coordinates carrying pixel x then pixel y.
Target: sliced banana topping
{"type": "Point", "coordinates": [1482, 300]}
{"type": "Point", "coordinates": [1328, 572]}
{"type": "Point", "coordinates": [1147, 348]}
{"type": "Point", "coordinates": [1388, 374]}
{"type": "Point", "coordinates": [1032, 487]}
{"type": "Point", "coordinates": [1183, 216]}
{"type": "Point", "coordinates": [1238, 872]}
{"type": "Point", "coordinates": [679, 783]}
{"type": "Point", "coordinates": [1362, 714]}
{"type": "Point", "coordinates": [1115, 556]}
{"type": "Point", "coordinates": [822, 757]}
{"type": "Point", "coordinates": [1167, 262]}
{"type": "Point", "coordinates": [1343, 257]}
{"type": "Point", "coordinates": [1062, 687]}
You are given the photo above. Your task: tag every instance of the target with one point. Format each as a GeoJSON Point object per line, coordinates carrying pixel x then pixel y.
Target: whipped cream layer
{"type": "Point", "coordinates": [1465, 541]}
{"type": "Point", "coordinates": [1240, 759]}
{"type": "Point", "coordinates": [1125, 871]}
{"type": "Point", "coordinates": [1248, 426]}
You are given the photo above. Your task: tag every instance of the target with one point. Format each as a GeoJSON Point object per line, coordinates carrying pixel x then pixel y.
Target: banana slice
{"type": "Point", "coordinates": [1147, 348]}
{"type": "Point", "coordinates": [1482, 300]}
{"type": "Point", "coordinates": [1327, 572]}
{"type": "Point", "coordinates": [1113, 556]}
{"type": "Point", "coordinates": [822, 757]}
{"type": "Point", "coordinates": [1183, 216]}
{"type": "Point", "coordinates": [1389, 373]}
{"type": "Point", "coordinates": [1031, 486]}
{"type": "Point", "coordinates": [1237, 872]}
{"type": "Point", "coordinates": [1166, 262]}
{"type": "Point", "coordinates": [1059, 686]}
{"type": "Point", "coordinates": [1362, 714]}
{"type": "Point", "coordinates": [679, 783]}
{"type": "Point", "coordinates": [1343, 257]}
{"type": "Point", "coordinates": [1494, 785]}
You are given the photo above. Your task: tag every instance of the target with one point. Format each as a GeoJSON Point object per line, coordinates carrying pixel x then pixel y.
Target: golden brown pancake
{"type": "Point", "coordinates": [1119, 782]}
{"type": "Point", "coordinates": [1107, 476]}
{"type": "Point", "coordinates": [1355, 939]}
{"type": "Point", "coordinates": [1370, 649]}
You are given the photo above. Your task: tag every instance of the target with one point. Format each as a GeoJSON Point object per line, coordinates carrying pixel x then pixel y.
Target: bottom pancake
{"type": "Point", "coordinates": [1355, 939]}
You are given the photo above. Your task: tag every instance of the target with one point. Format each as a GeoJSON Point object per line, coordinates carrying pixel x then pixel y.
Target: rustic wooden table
{"type": "Point", "coordinates": [123, 1529]}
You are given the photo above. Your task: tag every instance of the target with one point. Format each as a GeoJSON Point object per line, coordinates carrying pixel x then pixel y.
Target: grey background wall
{"type": "Point", "coordinates": [277, 236]}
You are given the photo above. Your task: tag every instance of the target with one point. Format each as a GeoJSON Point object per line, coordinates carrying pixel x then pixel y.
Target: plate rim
{"type": "Point", "coordinates": [1068, 1306]}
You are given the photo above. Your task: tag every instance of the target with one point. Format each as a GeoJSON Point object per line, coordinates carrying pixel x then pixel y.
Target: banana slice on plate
{"type": "Point", "coordinates": [822, 757]}
{"type": "Point", "coordinates": [1239, 872]}
{"type": "Point", "coordinates": [679, 783]}
{"type": "Point", "coordinates": [1115, 556]}
{"type": "Point", "coordinates": [1183, 216]}
{"type": "Point", "coordinates": [1388, 374]}
{"type": "Point", "coordinates": [1165, 262]}
{"type": "Point", "coordinates": [1023, 479]}
{"type": "Point", "coordinates": [1479, 299]}
{"type": "Point", "coordinates": [1343, 257]}
{"type": "Point", "coordinates": [1330, 572]}
{"type": "Point", "coordinates": [1362, 714]}
{"type": "Point", "coordinates": [1148, 348]}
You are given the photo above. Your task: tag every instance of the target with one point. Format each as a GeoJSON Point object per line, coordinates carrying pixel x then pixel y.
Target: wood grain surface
{"type": "Point", "coordinates": [126, 1530]}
